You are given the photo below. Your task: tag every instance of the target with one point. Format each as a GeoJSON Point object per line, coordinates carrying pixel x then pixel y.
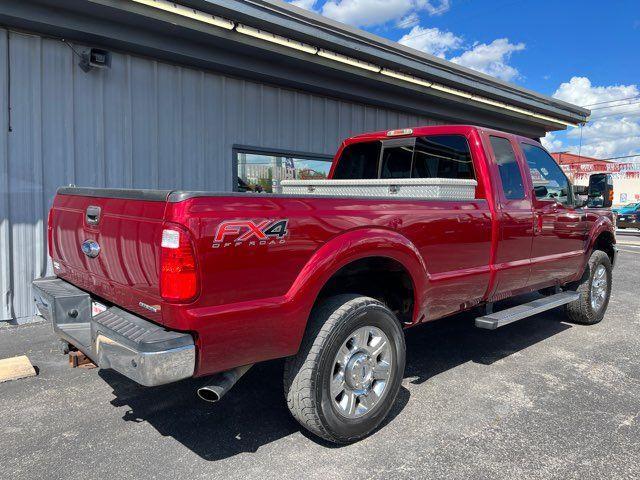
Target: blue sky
{"type": "Point", "coordinates": [584, 52]}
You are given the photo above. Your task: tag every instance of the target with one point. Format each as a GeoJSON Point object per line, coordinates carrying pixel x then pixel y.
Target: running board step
{"type": "Point", "coordinates": [513, 314]}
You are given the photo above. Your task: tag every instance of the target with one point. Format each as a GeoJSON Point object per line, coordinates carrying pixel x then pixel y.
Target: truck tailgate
{"type": "Point", "coordinates": [108, 243]}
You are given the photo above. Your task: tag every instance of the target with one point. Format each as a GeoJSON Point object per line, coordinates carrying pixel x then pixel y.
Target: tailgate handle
{"type": "Point", "coordinates": [93, 215]}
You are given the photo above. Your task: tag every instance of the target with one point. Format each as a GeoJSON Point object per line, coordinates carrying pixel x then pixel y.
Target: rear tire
{"type": "Point", "coordinates": [594, 288]}
{"type": "Point", "coordinates": [348, 371]}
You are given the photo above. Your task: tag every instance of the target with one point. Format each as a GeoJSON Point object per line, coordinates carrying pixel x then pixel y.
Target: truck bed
{"type": "Point", "coordinates": [258, 288]}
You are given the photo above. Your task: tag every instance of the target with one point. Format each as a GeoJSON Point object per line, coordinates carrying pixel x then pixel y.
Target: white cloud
{"type": "Point", "coordinates": [306, 4]}
{"type": "Point", "coordinates": [431, 40]}
{"type": "Point", "coordinates": [491, 58]}
{"type": "Point", "coordinates": [579, 91]}
{"type": "Point", "coordinates": [438, 9]}
{"type": "Point", "coordinates": [551, 143]}
{"type": "Point", "coordinates": [608, 138]}
{"type": "Point", "coordinates": [612, 131]}
{"type": "Point", "coordinates": [366, 13]}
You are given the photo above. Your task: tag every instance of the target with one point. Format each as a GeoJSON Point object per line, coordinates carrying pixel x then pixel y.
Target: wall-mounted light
{"type": "Point", "coordinates": [95, 58]}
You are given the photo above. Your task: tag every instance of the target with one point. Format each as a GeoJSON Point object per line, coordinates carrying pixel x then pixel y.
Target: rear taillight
{"type": "Point", "coordinates": [50, 233]}
{"type": "Point", "coordinates": [178, 266]}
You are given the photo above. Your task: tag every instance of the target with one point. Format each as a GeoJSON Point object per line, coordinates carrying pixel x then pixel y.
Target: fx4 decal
{"type": "Point", "coordinates": [262, 232]}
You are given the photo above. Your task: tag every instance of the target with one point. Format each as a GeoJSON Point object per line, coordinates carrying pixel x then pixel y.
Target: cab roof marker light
{"type": "Point", "coordinates": [406, 78]}
{"type": "Point", "coordinates": [188, 12]}
{"type": "Point", "coordinates": [273, 38]}
{"type": "Point", "coordinates": [452, 91]}
{"type": "Point", "coordinates": [348, 60]}
{"type": "Point", "coordinates": [400, 132]}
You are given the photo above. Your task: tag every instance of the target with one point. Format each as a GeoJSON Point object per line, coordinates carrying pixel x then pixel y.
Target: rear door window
{"type": "Point", "coordinates": [510, 174]}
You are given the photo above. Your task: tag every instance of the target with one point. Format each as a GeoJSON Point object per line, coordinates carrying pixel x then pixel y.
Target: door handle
{"type": "Point", "coordinates": [537, 223]}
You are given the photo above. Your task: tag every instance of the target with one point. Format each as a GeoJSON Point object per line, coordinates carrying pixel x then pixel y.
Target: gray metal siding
{"type": "Point", "coordinates": [140, 124]}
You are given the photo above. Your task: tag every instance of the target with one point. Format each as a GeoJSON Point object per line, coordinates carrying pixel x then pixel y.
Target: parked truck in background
{"type": "Point", "coordinates": [412, 225]}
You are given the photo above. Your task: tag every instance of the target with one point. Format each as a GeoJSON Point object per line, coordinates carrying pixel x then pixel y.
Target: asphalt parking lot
{"type": "Point", "coordinates": [537, 399]}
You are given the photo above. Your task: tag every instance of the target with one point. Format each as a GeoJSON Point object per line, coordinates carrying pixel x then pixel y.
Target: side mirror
{"type": "Point", "coordinates": [600, 190]}
{"type": "Point", "coordinates": [540, 191]}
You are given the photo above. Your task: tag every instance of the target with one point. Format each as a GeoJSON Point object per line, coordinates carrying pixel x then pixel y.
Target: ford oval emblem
{"type": "Point", "coordinates": [90, 248]}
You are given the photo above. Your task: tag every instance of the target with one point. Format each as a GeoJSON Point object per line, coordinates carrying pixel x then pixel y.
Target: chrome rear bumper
{"type": "Point", "coordinates": [140, 350]}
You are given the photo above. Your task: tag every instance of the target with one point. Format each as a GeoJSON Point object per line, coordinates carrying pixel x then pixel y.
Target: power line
{"type": "Point", "coordinates": [619, 158]}
{"type": "Point", "coordinates": [634, 112]}
{"type": "Point", "coordinates": [409, 21]}
{"type": "Point", "coordinates": [613, 106]}
{"type": "Point", "coordinates": [597, 141]}
{"type": "Point", "coordinates": [580, 147]}
{"type": "Point", "coordinates": [610, 101]}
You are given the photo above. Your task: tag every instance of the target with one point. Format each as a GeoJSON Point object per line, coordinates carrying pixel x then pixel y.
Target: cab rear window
{"type": "Point", "coordinates": [433, 156]}
{"type": "Point", "coordinates": [359, 160]}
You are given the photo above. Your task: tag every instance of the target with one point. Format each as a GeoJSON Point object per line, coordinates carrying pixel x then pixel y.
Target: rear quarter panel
{"type": "Point", "coordinates": [255, 297]}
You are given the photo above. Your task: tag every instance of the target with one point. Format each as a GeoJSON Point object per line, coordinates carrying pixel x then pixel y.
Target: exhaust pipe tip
{"type": "Point", "coordinates": [218, 385]}
{"type": "Point", "coordinates": [211, 394]}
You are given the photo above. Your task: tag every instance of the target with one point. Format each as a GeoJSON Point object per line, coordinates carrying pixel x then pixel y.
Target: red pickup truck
{"type": "Point", "coordinates": [412, 225]}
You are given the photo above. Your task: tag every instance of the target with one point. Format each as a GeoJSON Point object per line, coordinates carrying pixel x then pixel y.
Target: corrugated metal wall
{"type": "Point", "coordinates": [140, 124]}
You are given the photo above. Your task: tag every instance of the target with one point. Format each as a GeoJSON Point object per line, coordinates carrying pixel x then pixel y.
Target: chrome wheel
{"type": "Point", "coordinates": [599, 288]}
{"type": "Point", "coordinates": [361, 372]}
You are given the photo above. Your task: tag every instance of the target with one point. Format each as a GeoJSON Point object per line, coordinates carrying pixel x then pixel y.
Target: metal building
{"type": "Point", "coordinates": [177, 95]}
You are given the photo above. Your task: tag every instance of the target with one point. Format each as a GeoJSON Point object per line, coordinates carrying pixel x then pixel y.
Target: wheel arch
{"type": "Point", "coordinates": [603, 238]}
{"type": "Point", "coordinates": [355, 248]}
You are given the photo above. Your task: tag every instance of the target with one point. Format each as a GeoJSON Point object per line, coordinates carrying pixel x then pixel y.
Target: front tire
{"type": "Point", "coordinates": [595, 290]}
{"type": "Point", "coordinates": [347, 374]}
